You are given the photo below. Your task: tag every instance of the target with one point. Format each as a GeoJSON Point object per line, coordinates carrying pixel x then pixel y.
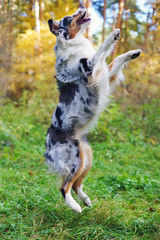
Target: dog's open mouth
{"type": "Point", "coordinates": [82, 19]}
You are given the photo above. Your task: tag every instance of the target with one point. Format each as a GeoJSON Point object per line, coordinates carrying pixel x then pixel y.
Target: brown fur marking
{"type": "Point", "coordinates": [78, 182]}
{"type": "Point", "coordinates": [67, 185]}
{"type": "Point", "coordinates": [110, 65]}
{"type": "Point", "coordinates": [113, 78]}
{"type": "Point", "coordinates": [73, 29]}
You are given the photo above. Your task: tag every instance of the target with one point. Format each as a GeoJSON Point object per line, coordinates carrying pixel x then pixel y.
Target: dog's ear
{"type": "Point", "coordinates": [53, 26]}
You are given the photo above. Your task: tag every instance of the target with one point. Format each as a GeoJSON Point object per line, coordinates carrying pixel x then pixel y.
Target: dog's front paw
{"type": "Point", "coordinates": [135, 53]}
{"type": "Point", "coordinates": [128, 56]}
{"type": "Point", "coordinates": [116, 34]}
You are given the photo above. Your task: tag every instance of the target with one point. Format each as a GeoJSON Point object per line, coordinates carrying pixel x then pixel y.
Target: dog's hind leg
{"type": "Point", "coordinates": [66, 188]}
{"type": "Point", "coordinates": [66, 192]}
{"type": "Point", "coordinates": [115, 68]}
{"type": "Point", "coordinates": [106, 47]}
{"type": "Point", "coordinates": [86, 155]}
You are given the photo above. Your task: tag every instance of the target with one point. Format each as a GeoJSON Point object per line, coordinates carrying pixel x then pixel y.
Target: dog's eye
{"type": "Point", "coordinates": [67, 20]}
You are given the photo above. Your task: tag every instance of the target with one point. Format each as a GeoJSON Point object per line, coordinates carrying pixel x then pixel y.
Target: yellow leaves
{"type": "Point", "coordinates": [153, 141]}
{"type": "Point", "coordinates": [33, 62]}
{"type": "Point", "coordinates": [142, 78]}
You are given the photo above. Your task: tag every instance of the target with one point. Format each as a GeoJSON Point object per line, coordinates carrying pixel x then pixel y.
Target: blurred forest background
{"type": "Point", "coordinates": [26, 44]}
{"type": "Point", "coordinates": [124, 182]}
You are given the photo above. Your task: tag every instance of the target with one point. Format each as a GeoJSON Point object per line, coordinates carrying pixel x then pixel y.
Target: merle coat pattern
{"type": "Point", "coordinates": [85, 83]}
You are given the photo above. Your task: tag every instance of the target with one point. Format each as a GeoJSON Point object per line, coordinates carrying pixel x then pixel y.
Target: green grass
{"type": "Point", "coordinates": [123, 184]}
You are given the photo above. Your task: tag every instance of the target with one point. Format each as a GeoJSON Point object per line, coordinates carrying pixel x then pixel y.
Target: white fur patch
{"type": "Point", "coordinates": [70, 202]}
{"type": "Point", "coordinates": [83, 196]}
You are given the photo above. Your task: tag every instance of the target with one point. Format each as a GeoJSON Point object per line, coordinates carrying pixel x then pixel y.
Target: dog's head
{"type": "Point", "coordinates": [70, 26]}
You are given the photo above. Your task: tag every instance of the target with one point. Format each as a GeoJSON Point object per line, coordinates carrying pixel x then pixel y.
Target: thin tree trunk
{"type": "Point", "coordinates": [104, 20]}
{"type": "Point", "coordinates": [119, 24]}
{"type": "Point", "coordinates": [38, 28]}
{"type": "Point", "coordinates": [148, 25]}
{"type": "Point", "coordinates": [126, 29]}
{"type": "Point", "coordinates": [10, 42]}
{"type": "Point", "coordinates": [30, 7]}
{"type": "Point", "coordinates": [114, 19]}
{"type": "Point", "coordinates": [147, 32]}
{"type": "Point", "coordinates": [41, 2]}
{"type": "Point", "coordinates": [88, 5]}
{"type": "Point", "coordinates": [153, 23]}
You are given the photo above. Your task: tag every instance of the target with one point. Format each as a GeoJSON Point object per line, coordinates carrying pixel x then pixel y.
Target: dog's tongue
{"type": "Point", "coordinates": [82, 20]}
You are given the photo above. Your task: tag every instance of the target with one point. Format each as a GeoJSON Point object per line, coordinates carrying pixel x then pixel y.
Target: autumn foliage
{"type": "Point", "coordinates": [26, 46]}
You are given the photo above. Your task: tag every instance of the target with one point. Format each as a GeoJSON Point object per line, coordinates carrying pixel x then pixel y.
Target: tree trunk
{"type": "Point", "coordinates": [114, 19]}
{"type": "Point", "coordinates": [126, 29]}
{"type": "Point", "coordinates": [147, 32]}
{"type": "Point", "coordinates": [153, 24]}
{"type": "Point", "coordinates": [30, 7]}
{"type": "Point", "coordinates": [10, 42]}
{"type": "Point", "coordinates": [38, 28]}
{"type": "Point", "coordinates": [41, 2]}
{"type": "Point", "coordinates": [104, 20]}
{"type": "Point", "coordinates": [150, 18]}
{"type": "Point", "coordinates": [119, 24]}
{"type": "Point", "coordinates": [88, 5]}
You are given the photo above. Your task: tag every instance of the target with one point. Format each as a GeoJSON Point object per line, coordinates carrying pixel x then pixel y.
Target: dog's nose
{"type": "Point", "coordinates": [82, 7]}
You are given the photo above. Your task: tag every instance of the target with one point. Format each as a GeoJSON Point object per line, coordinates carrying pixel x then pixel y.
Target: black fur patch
{"type": "Point", "coordinates": [88, 111]}
{"type": "Point", "coordinates": [67, 93]}
{"type": "Point", "coordinates": [117, 37]}
{"type": "Point", "coordinates": [63, 192]}
{"type": "Point", "coordinates": [64, 32]}
{"type": "Point", "coordinates": [73, 170]}
{"type": "Point", "coordinates": [82, 100]}
{"type": "Point", "coordinates": [50, 23]}
{"type": "Point", "coordinates": [58, 114]}
{"type": "Point", "coordinates": [88, 101]}
{"type": "Point", "coordinates": [66, 21]}
{"type": "Point", "coordinates": [93, 96]}
{"type": "Point", "coordinates": [76, 142]}
{"type": "Point", "coordinates": [135, 55]}
{"type": "Point", "coordinates": [48, 157]}
{"type": "Point", "coordinates": [86, 65]}
{"type": "Point", "coordinates": [57, 135]}
{"type": "Point", "coordinates": [77, 154]}
{"type": "Point", "coordinates": [79, 68]}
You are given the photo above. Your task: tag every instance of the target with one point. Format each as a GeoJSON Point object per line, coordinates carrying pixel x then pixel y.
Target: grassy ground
{"type": "Point", "coordinates": [123, 184]}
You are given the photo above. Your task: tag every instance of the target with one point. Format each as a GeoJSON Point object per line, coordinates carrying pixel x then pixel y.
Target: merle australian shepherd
{"type": "Point", "coordinates": [85, 83]}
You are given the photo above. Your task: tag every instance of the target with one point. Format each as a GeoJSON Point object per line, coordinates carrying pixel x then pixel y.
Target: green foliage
{"type": "Point", "coordinates": [142, 123]}
{"type": "Point", "coordinates": [30, 70]}
{"type": "Point", "coordinates": [124, 182]}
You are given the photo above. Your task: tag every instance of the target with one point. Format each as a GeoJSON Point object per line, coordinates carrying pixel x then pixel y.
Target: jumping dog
{"type": "Point", "coordinates": [85, 83]}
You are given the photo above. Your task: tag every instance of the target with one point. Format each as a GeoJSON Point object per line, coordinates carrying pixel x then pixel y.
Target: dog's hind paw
{"type": "Point", "coordinates": [77, 208]}
{"type": "Point", "coordinates": [70, 202]}
{"type": "Point", "coordinates": [87, 202]}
